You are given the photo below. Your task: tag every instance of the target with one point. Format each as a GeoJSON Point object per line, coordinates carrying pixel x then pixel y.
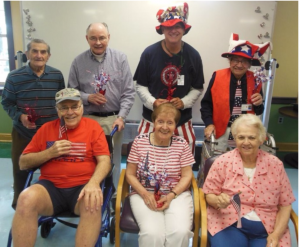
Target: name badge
{"type": "Point", "coordinates": [246, 107]}
{"type": "Point", "coordinates": [180, 80]}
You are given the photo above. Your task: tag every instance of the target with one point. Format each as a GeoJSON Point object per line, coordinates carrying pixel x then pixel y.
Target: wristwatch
{"type": "Point", "coordinates": [171, 191]}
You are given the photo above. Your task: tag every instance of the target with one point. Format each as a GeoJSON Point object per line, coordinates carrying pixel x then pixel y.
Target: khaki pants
{"type": "Point", "coordinates": [223, 141]}
{"type": "Point", "coordinates": [106, 124]}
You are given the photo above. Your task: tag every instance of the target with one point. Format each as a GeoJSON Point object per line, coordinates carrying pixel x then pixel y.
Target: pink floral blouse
{"type": "Point", "coordinates": [270, 188]}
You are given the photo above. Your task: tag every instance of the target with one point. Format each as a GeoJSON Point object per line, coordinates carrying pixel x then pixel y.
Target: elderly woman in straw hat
{"type": "Point", "coordinates": [159, 171]}
{"type": "Point", "coordinates": [249, 186]}
{"type": "Point", "coordinates": [232, 91]}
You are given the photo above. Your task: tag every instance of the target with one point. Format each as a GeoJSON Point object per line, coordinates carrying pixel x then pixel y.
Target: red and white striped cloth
{"type": "Point", "coordinates": [186, 131]}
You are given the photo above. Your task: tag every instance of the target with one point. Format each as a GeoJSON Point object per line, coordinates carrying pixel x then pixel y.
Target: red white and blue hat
{"type": "Point", "coordinates": [173, 15]}
{"type": "Point", "coordinates": [246, 49]}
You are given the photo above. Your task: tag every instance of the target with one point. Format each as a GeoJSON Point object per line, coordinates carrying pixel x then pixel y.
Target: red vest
{"type": "Point", "coordinates": [220, 92]}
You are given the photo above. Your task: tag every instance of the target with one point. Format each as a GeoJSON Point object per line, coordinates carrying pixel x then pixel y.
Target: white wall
{"type": "Point", "coordinates": [132, 28]}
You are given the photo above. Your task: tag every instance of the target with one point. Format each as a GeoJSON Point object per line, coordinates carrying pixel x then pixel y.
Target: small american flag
{"type": "Point", "coordinates": [236, 203]}
{"type": "Point", "coordinates": [62, 128]}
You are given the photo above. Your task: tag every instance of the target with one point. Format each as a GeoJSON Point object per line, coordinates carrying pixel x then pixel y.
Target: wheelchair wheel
{"type": "Point", "coordinates": [112, 231]}
{"type": "Point", "coordinates": [46, 228]}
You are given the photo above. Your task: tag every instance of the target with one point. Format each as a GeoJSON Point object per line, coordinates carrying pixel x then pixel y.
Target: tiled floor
{"type": "Point", "coordinates": [62, 236]}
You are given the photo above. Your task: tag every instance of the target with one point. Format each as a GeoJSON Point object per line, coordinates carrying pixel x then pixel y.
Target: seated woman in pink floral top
{"type": "Point", "coordinates": [265, 193]}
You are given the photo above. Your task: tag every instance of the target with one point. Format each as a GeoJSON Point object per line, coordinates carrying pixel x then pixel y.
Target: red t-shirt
{"type": "Point", "coordinates": [88, 140]}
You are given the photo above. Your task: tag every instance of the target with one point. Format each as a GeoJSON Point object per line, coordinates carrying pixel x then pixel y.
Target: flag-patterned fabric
{"type": "Point", "coordinates": [62, 128]}
{"type": "Point", "coordinates": [236, 203]}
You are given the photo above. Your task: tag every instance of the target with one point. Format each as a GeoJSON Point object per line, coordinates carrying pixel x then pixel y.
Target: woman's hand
{"type": "Point", "coordinates": [218, 201]}
{"type": "Point", "coordinates": [166, 200]}
{"type": "Point", "coordinates": [223, 201]}
{"type": "Point", "coordinates": [282, 219]}
{"type": "Point", "coordinates": [272, 240]}
{"type": "Point", "coordinates": [149, 200]}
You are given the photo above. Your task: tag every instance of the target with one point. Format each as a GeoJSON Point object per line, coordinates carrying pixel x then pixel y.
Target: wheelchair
{"type": "Point", "coordinates": [46, 223]}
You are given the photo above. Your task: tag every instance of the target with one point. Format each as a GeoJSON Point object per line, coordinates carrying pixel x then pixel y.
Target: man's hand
{"type": "Point", "coordinates": [92, 196]}
{"type": "Point", "coordinates": [256, 99]}
{"type": "Point", "coordinates": [60, 148]}
{"type": "Point", "coordinates": [208, 131]}
{"type": "Point", "coordinates": [120, 122]}
{"type": "Point", "coordinates": [97, 99]}
{"type": "Point", "coordinates": [159, 102]}
{"type": "Point", "coordinates": [26, 123]}
{"type": "Point", "coordinates": [177, 102]}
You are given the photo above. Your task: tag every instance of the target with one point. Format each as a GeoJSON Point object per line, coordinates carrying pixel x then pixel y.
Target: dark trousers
{"type": "Point", "coordinates": [18, 145]}
{"type": "Point", "coordinates": [252, 234]}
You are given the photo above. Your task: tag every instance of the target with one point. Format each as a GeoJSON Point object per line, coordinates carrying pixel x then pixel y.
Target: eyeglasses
{"type": "Point", "coordinates": [65, 109]}
{"type": "Point", "coordinates": [236, 61]}
{"type": "Point", "coordinates": [101, 39]}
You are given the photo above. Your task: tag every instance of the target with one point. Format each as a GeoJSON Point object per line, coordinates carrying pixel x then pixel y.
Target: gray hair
{"type": "Point", "coordinates": [103, 23]}
{"type": "Point", "coordinates": [39, 41]}
{"type": "Point", "coordinates": [249, 120]}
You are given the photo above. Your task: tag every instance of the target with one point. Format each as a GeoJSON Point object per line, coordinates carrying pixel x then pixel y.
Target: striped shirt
{"type": "Point", "coordinates": [24, 92]}
{"type": "Point", "coordinates": [160, 164]}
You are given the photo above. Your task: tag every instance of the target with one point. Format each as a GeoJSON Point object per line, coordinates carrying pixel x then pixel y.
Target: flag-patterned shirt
{"type": "Point", "coordinates": [76, 168]}
{"type": "Point", "coordinates": [236, 111]}
{"type": "Point", "coordinates": [270, 188]}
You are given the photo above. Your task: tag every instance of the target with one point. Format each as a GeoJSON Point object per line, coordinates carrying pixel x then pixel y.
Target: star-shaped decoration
{"type": "Point", "coordinates": [245, 48]}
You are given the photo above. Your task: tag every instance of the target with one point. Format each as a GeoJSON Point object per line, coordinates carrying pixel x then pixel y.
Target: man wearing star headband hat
{"type": "Point", "coordinates": [170, 71]}
{"type": "Point", "coordinates": [233, 91]}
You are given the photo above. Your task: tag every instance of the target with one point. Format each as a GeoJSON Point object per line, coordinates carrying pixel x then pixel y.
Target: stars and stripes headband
{"type": "Point", "coordinates": [246, 49]}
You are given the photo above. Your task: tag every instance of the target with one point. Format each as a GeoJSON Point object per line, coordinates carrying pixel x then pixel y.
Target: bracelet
{"type": "Point", "coordinates": [171, 191]}
{"type": "Point", "coordinates": [121, 118]}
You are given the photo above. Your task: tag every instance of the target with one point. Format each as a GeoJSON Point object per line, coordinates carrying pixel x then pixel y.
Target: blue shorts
{"type": "Point", "coordinates": [252, 234]}
{"type": "Point", "coordinates": [62, 199]}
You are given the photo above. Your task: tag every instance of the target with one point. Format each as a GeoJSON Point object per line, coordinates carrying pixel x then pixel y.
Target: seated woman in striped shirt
{"type": "Point", "coordinates": [159, 171]}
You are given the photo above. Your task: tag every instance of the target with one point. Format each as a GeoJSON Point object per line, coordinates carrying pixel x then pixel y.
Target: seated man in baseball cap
{"type": "Point", "coordinates": [74, 158]}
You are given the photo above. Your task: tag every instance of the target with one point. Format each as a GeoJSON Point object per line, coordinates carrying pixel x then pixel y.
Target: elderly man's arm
{"type": "Point", "coordinates": [127, 95]}
{"type": "Point", "coordinates": [32, 160]}
{"type": "Point", "coordinates": [282, 219]}
{"type": "Point", "coordinates": [91, 192]}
